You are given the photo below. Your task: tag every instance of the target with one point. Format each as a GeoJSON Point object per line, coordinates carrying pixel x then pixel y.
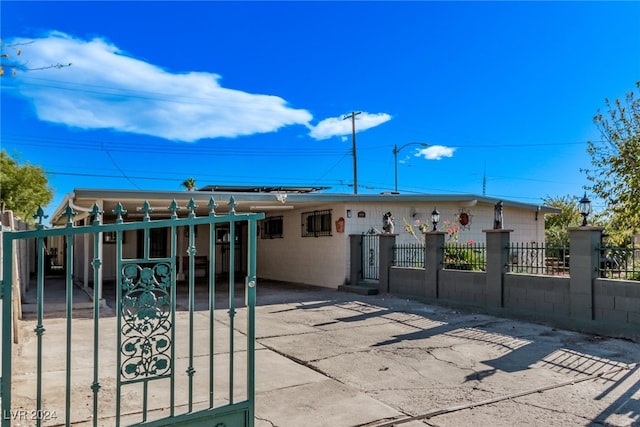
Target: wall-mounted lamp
{"type": "Point", "coordinates": [584, 207]}
{"type": "Point", "coordinates": [348, 213]}
{"type": "Point", "coordinates": [435, 218]}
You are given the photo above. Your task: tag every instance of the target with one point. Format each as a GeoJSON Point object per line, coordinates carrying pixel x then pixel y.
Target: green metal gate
{"type": "Point", "coordinates": [370, 256]}
{"type": "Point", "coordinates": [152, 361]}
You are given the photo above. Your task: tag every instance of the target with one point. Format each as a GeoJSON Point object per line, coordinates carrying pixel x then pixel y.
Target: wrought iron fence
{"type": "Point", "coordinates": [619, 262]}
{"type": "Point", "coordinates": [537, 258]}
{"type": "Point", "coordinates": [465, 256]}
{"type": "Point", "coordinates": [408, 255]}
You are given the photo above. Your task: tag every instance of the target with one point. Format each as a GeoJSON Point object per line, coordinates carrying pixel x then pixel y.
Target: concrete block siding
{"type": "Point", "coordinates": [463, 286]}
{"type": "Point", "coordinates": [580, 301]}
{"type": "Point", "coordinates": [408, 281]}
{"type": "Point", "coordinates": [617, 301]}
{"type": "Point", "coordinates": [539, 294]}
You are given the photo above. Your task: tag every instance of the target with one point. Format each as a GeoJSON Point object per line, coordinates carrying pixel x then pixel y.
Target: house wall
{"type": "Point", "coordinates": [320, 261]}
{"type": "Point", "coordinates": [324, 261]}
{"type": "Point", "coordinates": [524, 223]}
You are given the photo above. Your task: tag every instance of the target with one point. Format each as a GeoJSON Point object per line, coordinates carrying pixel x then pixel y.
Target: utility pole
{"type": "Point", "coordinates": [395, 152]}
{"type": "Point", "coordinates": [484, 180]}
{"type": "Point", "coordinates": [352, 116]}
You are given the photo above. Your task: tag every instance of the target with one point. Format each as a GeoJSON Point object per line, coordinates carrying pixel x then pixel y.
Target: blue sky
{"type": "Point", "coordinates": [254, 93]}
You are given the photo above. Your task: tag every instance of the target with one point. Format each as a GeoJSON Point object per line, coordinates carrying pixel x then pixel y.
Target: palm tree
{"type": "Point", "coordinates": [189, 184]}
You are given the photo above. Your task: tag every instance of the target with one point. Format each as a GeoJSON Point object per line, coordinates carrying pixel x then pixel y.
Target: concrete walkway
{"type": "Point", "coordinates": [327, 358]}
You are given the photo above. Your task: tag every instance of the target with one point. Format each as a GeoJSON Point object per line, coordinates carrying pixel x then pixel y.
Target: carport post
{"type": "Point", "coordinates": [433, 261]}
{"type": "Point", "coordinates": [584, 243]}
{"type": "Point", "coordinates": [498, 241]}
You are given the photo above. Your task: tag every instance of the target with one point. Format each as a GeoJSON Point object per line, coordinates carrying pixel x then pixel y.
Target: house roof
{"type": "Point", "coordinates": [266, 200]}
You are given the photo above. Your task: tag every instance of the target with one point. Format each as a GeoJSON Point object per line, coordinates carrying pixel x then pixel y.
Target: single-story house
{"type": "Point", "coordinates": [304, 237]}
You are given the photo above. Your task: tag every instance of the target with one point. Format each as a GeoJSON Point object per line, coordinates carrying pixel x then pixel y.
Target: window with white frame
{"type": "Point", "coordinates": [316, 223]}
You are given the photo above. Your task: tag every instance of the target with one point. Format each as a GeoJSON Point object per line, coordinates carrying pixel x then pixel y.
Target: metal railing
{"type": "Point", "coordinates": [537, 258]}
{"type": "Point", "coordinates": [465, 256]}
{"type": "Point", "coordinates": [408, 255]}
{"type": "Point", "coordinates": [143, 352]}
{"type": "Point", "coordinates": [619, 262]}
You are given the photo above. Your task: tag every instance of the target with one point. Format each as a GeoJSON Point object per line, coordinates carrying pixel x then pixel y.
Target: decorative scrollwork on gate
{"type": "Point", "coordinates": [146, 320]}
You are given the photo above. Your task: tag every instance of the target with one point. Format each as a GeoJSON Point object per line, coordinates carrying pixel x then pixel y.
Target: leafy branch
{"type": "Point", "coordinates": [7, 61]}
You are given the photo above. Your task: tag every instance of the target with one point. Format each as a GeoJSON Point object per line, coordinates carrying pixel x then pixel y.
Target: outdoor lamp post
{"type": "Point", "coordinates": [584, 207]}
{"type": "Point", "coordinates": [395, 151]}
{"type": "Point", "coordinates": [435, 218]}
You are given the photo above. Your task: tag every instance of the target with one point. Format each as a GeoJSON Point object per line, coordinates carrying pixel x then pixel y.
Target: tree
{"type": "Point", "coordinates": [23, 188]}
{"type": "Point", "coordinates": [8, 59]}
{"type": "Point", "coordinates": [556, 226]}
{"type": "Point", "coordinates": [615, 176]}
{"type": "Point", "coordinates": [189, 184]}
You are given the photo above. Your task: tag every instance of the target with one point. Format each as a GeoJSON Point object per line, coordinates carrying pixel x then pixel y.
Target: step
{"type": "Point", "coordinates": [359, 289]}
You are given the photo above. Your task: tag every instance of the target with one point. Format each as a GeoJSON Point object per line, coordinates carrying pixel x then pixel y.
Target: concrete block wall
{"type": "Point", "coordinates": [540, 295]}
{"type": "Point", "coordinates": [580, 301]}
{"type": "Point", "coordinates": [407, 281]}
{"type": "Point", "coordinates": [617, 301]}
{"type": "Point", "coordinates": [464, 286]}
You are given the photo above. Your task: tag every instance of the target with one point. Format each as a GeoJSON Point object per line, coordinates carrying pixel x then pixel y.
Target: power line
{"type": "Point", "coordinates": [353, 150]}
{"type": "Point", "coordinates": [329, 170]}
{"type": "Point", "coordinates": [224, 178]}
{"type": "Point", "coordinates": [121, 171]}
{"type": "Point", "coordinates": [182, 149]}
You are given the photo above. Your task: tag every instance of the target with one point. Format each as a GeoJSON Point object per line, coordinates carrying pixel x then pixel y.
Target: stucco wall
{"type": "Point", "coordinates": [320, 261]}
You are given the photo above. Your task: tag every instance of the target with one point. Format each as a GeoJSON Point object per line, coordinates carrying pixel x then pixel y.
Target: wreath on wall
{"type": "Point", "coordinates": [464, 219]}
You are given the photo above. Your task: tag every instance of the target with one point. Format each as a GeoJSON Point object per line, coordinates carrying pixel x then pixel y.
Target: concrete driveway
{"type": "Point", "coordinates": [327, 358]}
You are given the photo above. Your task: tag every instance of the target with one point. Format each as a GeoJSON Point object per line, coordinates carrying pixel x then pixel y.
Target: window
{"type": "Point", "coordinates": [316, 223]}
{"type": "Point", "coordinates": [272, 228]}
{"type": "Point", "coordinates": [111, 237]}
{"type": "Point", "coordinates": [158, 243]}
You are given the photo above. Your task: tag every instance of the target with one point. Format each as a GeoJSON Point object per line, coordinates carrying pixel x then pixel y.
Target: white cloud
{"type": "Point", "coordinates": [108, 89]}
{"type": "Point", "coordinates": [337, 126]}
{"type": "Point", "coordinates": [435, 152]}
